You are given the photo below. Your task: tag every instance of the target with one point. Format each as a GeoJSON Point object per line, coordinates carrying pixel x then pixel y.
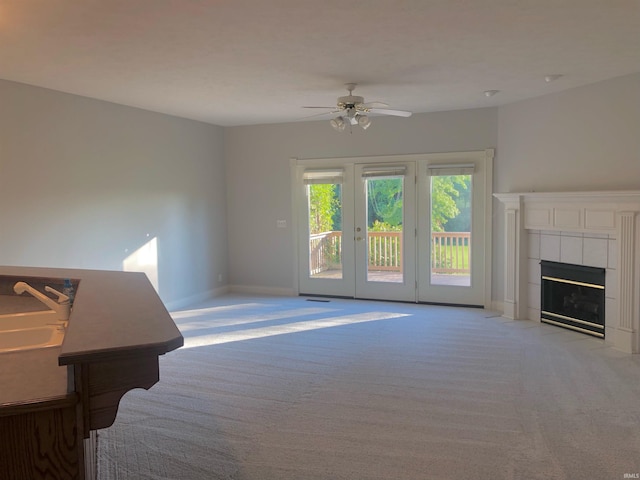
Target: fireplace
{"type": "Point", "coordinates": [595, 229]}
{"type": "Point", "coordinates": [573, 296]}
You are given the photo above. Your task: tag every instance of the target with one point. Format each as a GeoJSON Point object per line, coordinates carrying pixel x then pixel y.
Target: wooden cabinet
{"type": "Point", "coordinates": [42, 440]}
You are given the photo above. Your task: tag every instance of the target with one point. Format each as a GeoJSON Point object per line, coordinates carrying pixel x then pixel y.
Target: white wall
{"type": "Point", "coordinates": [586, 138]}
{"type": "Point", "coordinates": [85, 183]}
{"type": "Point", "coordinates": [82, 182]}
{"type": "Point", "coordinates": [261, 256]}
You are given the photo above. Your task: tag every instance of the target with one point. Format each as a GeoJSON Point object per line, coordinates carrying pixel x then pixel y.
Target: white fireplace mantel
{"type": "Point", "coordinates": [600, 212]}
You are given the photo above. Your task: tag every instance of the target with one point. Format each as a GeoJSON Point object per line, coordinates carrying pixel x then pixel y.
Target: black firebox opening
{"type": "Point", "coordinates": [573, 297]}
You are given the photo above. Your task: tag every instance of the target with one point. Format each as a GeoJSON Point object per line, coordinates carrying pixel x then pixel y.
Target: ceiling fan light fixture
{"type": "Point", "coordinates": [364, 121]}
{"type": "Point", "coordinates": [338, 124]}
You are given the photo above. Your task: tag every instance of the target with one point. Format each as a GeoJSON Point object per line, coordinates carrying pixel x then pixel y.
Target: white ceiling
{"type": "Point", "coordinates": [241, 62]}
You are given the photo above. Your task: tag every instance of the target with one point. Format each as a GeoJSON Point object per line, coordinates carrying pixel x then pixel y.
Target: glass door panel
{"type": "Point", "coordinates": [451, 210]}
{"type": "Point", "coordinates": [385, 218]}
{"type": "Point", "coordinates": [324, 205]}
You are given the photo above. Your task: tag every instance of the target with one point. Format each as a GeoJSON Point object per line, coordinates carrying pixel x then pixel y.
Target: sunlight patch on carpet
{"type": "Point", "coordinates": [209, 321]}
{"type": "Point", "coordinates": [198, 312]}
{"type": "Point", "coordinates": [296, 327]}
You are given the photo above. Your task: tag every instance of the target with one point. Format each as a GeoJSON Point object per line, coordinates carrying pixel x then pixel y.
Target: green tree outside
{"type": "Point", "coordinates": [462, 221]}
{"type": "Point", "coordinates": [324, 208]}
{"type": "Point", "coordinates": [448, 194]}
{"type": "Point", "coordinates": [385, 203]}
{"type": "Point", "coordinates": [450, 205]}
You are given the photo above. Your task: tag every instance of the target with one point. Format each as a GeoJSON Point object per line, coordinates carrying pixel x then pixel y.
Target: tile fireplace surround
{"type": "Point", "coordinates": [598, 229]}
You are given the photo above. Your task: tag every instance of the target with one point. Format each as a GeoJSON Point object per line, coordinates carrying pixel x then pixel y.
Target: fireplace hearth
{"type": "Point", "coordinates": [573, 296]}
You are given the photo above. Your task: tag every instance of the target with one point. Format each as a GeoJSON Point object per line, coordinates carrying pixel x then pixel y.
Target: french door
{"type": "Point", "coordinates": [385, 231]}
{"type": "Point", "coordinates": [409, 228]}
{"type": "Point", "coordinates": [325, 230]}
{"type": "Point", "coordinates": [454, 231]}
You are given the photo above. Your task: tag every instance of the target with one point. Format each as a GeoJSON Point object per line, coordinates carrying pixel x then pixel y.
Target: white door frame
{"type": "Point", "coordinates": [485, 156]}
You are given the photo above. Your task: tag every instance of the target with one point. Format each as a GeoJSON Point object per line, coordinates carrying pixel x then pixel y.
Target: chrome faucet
{"type": "Point", "coordinates": [62, 307]}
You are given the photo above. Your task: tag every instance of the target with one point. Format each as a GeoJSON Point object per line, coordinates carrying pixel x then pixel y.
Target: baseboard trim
{"type": "Point", "coordinates": [200, 297]}
{"type": "Point", "coordinates": [261, 290]}
{"type": "Point", "coordinates": [497, 306]}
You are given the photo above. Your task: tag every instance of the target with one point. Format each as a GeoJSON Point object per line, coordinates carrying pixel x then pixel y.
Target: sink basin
{"type": "Point", "coordinates": [29, 331]}
{"type": "Point", "coordinates": [11, 321]}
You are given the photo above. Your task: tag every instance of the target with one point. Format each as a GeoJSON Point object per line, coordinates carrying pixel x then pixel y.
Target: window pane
{"type": "Point", "coordinates": [325, 230]}
{"type": "Point", "coordinates": [385, 216]}
{"type": "Point", "coordinates": [451, 230]}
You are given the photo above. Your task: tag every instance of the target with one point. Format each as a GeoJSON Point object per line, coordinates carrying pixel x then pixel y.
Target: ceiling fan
{"type": "Point", "coordinates": [353, 111]}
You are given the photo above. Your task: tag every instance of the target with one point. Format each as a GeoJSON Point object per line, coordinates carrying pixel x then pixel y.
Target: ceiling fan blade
{"type": "Point", "coordinates": [395, 113]}
{"type": "Point", "coordinates": [375, 104]}
{"type": "Point", "coordinates": [326, 108]}
{"type": "Point", "coordinates": [323, 113]}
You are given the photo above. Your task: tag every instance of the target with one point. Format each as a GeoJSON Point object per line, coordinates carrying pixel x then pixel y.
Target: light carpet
{"type": "Point", "coordinates": [289, 389]}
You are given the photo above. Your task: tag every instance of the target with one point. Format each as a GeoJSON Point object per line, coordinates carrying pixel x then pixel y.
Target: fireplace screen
{"type": "Point", "coordinates": [573, 297]}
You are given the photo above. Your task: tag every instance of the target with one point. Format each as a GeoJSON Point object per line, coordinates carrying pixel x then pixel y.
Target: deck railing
{"type": "Point", "coordinates": [449, 252]}
{"type": "Point", "coordinates": [385, 251]}
{"type": "Point", "coordinates": [325, 251]}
